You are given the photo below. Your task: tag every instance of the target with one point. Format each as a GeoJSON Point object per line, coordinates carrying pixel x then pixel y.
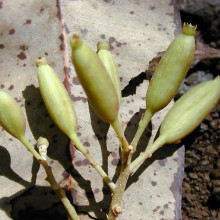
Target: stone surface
{"type": "Point", "coordinates": [135, 38]}
{"type": "Point", "coordinates": [137, 34]}
{"type": "Point", "coordinates": [28, 30]}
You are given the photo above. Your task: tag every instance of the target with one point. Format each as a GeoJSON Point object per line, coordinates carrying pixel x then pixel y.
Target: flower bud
{"type": "Point", "coordinates": [109, 63]}
{"type": "Point", "coordinates": [42, 145]}
{"type": "Point", "coordinates": [11, 116]}
{"type": "Point", "coordinates": [189, 111]}
{"type": "Point", "coordinates": [171, 70]}
{"type": "Point", "coordinates": [95, 80]}
{"type": "Point", "coordinates": [56, 98]}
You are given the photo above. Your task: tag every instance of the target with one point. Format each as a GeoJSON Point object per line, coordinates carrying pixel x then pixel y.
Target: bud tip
{"type": "Point", "coordinates": [189, 29]}
{"type": "Point", "coordinates": [103, 46]}
{"type": "Point", "coordinates": [41, 61]}
{"type": "Point", "coordinates": [42, 141]}
{"type": "Point", "coordinates": [75, 41]}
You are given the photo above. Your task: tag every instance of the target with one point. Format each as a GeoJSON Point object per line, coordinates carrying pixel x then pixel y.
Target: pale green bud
{"type": "Point", "coordinates": [109, 63]}
{"type": "Point", "coordinates": [95, 80]}
{"type": "Point", "coordinates": [11, 116]}
{"type": "Point", "coordinates": [189, 111]}
{"type": "Point", "coordinates": [171, 70]}
{"type": "Point", "coordinates": [56, 98]}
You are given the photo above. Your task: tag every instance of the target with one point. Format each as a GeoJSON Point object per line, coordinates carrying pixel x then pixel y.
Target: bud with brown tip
{"type": "Point", "coordinates": [171, 70]}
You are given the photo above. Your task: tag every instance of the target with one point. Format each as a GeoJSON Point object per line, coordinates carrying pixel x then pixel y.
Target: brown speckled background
{"type": "Point", "coordinates": [137, 31]}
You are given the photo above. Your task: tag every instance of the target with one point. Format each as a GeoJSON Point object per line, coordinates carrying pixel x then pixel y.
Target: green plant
{"type": "Point", "coordinates": [97, 73]}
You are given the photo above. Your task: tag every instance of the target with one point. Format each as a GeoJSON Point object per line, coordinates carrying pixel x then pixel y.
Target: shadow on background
{"type": "Point", "coordinates": [100, 129]}
{"type": "Point", "coordinates": [41, 124]}
{"type": "Point", "coordinates": [6, 170]}
{"type": "Point", "coordinates": [161, 154]}
{"type": "Point", "coordinates": [29, 205]}
{"type": "Point", "coordinates": [35, 203]}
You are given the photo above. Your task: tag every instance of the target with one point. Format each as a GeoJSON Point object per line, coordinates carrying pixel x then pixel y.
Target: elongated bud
{"type": "Point", "coordinates": [11, 116]}
{"type": "Point", "coordinates": [109, 63]}
{"type": "Point", "coordinates": [95, 80]}
{"type": "Point", "coordinates": [171, 70]}
{"type": "Point", "coordinates": [189, 111]}
{"type": "Point", "coordinates": [56, 98]}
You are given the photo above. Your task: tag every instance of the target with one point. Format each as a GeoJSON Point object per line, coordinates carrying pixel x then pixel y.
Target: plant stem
{"type": "Point", "coordinates": [148, 152]}
{"type": "Point", "coordinates": [115, 207]}
{"type": "Point", "coordinates": [117, 125]}
{"type": "Point", "coordinates": [141, 127]}
{"type": "Point", "coordinates": [30, 148]}
{"type": "Point", "coordinates": [59, 191]}
{"type": "Point", "coordinates": [51, 179]}
{"type": "Point", "coordinates": [126, 148]}
{"type": "Point", "coordinates": [93, 162]}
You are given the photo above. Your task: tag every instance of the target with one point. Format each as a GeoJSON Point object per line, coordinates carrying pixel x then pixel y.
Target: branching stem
{"type": "Point", "coordinates": [51, 179]}
{"type": "Point", "coordinates": [126, 148]}
{"type": "Point", "coordinates": [160, 141]}
{"type": "Point", "coordinates": [117, 125]}
{"type": "Point", "coordinates": [115, 206]}
{"type": "Point", "coordinates": [93, 162]}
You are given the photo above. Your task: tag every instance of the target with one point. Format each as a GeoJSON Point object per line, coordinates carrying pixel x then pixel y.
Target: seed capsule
{"type": "Point", "coordinates": [189, 111]}
{"type": "Point", "coordinates": [171, 70]}
{"type": "Point", "coordinates": [56, 98]}
{"type": "Point", "coordinates": [11, 116]}
{"type": "Point", "coordinates": [109, 63]}
{"type": "Point", "coordinates": [95, 80]}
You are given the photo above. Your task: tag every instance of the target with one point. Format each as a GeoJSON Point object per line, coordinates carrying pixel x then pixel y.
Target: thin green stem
{"type": "Point", "coordinates": [126, 148]}
{"type": "Point", "coordinates": [93, 162]}
{"type": "Point", "coordinates": [148, 152]}
{"type": "Point", "coordinates": [60, 192]}
{"type": "Point", "coordinates": [141, 127]}
{"type": "Point", "coordinates": [117, 125]}
{"type": "Point", "coordinates": [30, 148]}
{"type": "Point", "coordinates": [51, 179]}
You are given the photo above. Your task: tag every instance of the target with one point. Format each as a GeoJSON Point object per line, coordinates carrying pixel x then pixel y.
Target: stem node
{"type": "Point", "coordinates": [116, 210]}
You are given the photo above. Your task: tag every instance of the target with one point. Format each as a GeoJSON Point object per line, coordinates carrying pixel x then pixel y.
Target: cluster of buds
{"type": "Point", "coordinates": [98, 75]}
{"type": "Point", "coordinates": [95, 79]}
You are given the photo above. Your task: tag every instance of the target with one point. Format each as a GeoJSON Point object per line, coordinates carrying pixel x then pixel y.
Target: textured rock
{"type": "Point", "coordinates": [136, 34]}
